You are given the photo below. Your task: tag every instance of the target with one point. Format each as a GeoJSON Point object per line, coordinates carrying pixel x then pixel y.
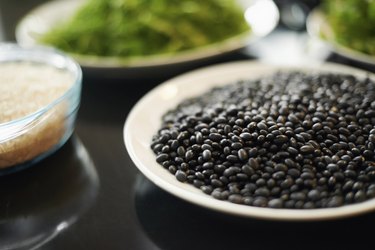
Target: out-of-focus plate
{"type": "Point", "coordinates": [319, 29]}
{"type": "Point", "coordinates": [144, 120]}
{"type": "Point", "coordinates": [262, 16]}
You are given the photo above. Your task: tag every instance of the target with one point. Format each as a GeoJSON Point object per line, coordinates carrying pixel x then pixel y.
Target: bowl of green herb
{"type": "Point", "coordinates": [141, 34]}
{"type": "Point", "coordinates": [347, 26]}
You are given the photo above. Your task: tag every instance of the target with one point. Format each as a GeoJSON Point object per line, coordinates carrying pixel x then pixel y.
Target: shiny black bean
{"type": "Point", "coordinates": [307, 150]}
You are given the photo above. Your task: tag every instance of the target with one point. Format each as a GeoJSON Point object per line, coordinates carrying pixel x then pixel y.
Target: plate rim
{"type": "Point", "coordinates": [231, 44]}
{"type": "Point", "coordinates": [203, 200]}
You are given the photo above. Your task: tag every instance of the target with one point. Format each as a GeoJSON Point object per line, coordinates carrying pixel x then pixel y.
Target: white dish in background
{"type": "Point", "coordinates": [262, 16]}
{"type": "Point", "coordinates": [319, 29]}
{"type": "Point", "coordinates": [144, 120]}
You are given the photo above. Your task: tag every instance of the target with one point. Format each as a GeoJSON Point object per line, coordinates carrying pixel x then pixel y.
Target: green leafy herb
{"type": "Point", "coordinates": [145, 27]}
{"type": "Point", "coordinates": [353, 23]}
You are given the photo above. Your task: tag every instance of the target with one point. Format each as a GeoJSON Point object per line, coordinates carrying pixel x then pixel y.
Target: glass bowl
{"type": "Point", "coordinates": [39, 100]}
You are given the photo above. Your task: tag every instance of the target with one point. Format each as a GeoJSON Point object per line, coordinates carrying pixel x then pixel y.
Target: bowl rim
{"type": "Point", "coordinates": [138, 149]}
{"type": "Point", "coordinates": [71, 66]}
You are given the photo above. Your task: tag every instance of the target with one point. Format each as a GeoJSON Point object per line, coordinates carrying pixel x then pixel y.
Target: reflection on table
{"type": "Point", "coordinates": [172, 223]}
{"type": "Point", "coordinates": [41, 201]}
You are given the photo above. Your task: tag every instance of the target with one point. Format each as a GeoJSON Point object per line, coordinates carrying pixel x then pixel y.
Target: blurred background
{"type": "Point", "coordinates": [293, 14]}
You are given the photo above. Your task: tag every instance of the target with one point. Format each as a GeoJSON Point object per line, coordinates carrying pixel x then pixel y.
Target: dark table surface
{"type": "Point", "coordinates": [89, 194]}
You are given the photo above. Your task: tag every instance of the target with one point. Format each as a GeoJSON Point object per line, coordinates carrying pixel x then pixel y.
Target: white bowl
{"type": "Point", "coordinates": [262, 16]}
{"type": "Point", "coordinates": [319, 29]}
{"type": "Point", "coordinates": [144, 120]}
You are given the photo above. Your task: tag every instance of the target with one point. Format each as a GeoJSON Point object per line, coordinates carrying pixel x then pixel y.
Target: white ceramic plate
{"type": "Point", "coordinates": [145, 119]}
{"type": "Point", "coordinates": [262, 16]}
{"type": "Point", "coordinates": [319, 29]}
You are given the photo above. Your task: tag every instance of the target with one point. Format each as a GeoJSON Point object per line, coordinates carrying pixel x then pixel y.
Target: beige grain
{"type": "Point", "coordinates": [24, 89]}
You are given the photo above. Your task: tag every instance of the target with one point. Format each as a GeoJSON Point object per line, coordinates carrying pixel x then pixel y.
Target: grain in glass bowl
{"type": "Point", "coordinates": [39, 98]}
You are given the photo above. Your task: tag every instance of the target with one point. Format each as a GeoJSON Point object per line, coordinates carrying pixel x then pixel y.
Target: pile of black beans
{"type": "Point", "coordinates": [290, 140]}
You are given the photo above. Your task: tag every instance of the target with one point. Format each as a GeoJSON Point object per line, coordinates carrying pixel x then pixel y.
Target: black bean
{"type": "Point", "coordinates": [181, 151]}
{"type": "Point", "coordinates": [253, 163]}
{"type": "Point", "coordinates": [370, 113]}
{"type": "Point", "coordinates": [216, 183]}
{"type": "Point", "coordinates": [172, 169]}
{"type": "Point", "coordinates": [292, 151]}
{"type": "Point", "coordinates": [232, 158]}
{"type": "Point", "coordinates": [217, 194]}
{"type": "Point", "coordinates": [370, 193]}
{"type": "Point", "coordinates": [260, 202]}
{"type": "Point", "coordinates": [260, 182]}
{"type": "Point", "coordinates": [198, 183]}
{"type": "Point", "coordinates": [206, 155]}
{"type": "Point", "coordinates": [207, 172]}
{"type": "Point", "coordinates": [332, 181]}
{"type": "Point", "coordinates": [236, 145]}
{"type": "Point", "coordinates": [281, 167]}
{"type": "Point", "coordinates": [317, 126]}
{"type": "Point", "coordinates": [314, 144]}
{"type": "Point", "coordinates": [280, 139]}
{"type": "Point", "coordinates": [314, 195]}
{"type": "Point", "coordinates": [164, 138]}
{"type": "Point", "coordinates": [357, 185]}
{"type": "Point", "coordinates": [300, 138]}
{"type": "Point", "coordinates": [286, 183]}
{"type": "Point", "coordinates": [195, 147]}
{"type": "Point", "coordinates": [208, 165]}
{"type": "Point", "coordinates": [293, 118]}
{"type": "Point", "coordinates": [242, 177]}
{"type": "Point", "coordinates": [227, 129]}
{"type": "Point", "coordinates": [246, 136]}
{"type": "Point", "coordinates": [275, 203]}
{"type": "Point", "coordinates": [229, 172]}
{"type": "Point", "coordinates": [307, 149]}
{"type": "Point", "coordinates": [181, 176]}
{"type": "Point", "coordinates": [243, 155]}
{"type": "Point", "coordinates": [206, 147]}
{"type": "Point", "coordinates": [333, 167]}
{"type": "Point", "coordinates": [162, 157]}
{"type": "Point", "coordinates": [307, 175]}
{"type": "Point", "coordinates": [199, 137]}
{"type": "Point", "coordinates": [174, 144]}
{"type": "Point", "coordinates": [294, 172]}
{"type": "Point", "coordinates": [306, 136]}
{"type": "Point", "coordinates": [335, 201]}
{"type": "Point", "coordinates": [206, 189]}
{"type": "Point", "coordinates": [290, 163]}
{"type": "Point", "coordinates": [297, 196]}
{"type": "Point", "coordinates": [219, 168]}
{"type": "Point", "coordinates": [278, 175]}
{"type": "Point", "coordinates": [246, 169]}
{"type": "Point", "coordinates": [253, 152]}
{"type": "Point", "coordinates": [235, 198]}
{"type": "Point", "coordinates": [215, 137]}
{"type": "Point", "coordinates": [262, 191]}
{"type": "Point", "coordinates": [189, 155]}
{"type": "Point", "coordinates": [359, 196]}
{"type": "Point", "coordinates": [262, 126]}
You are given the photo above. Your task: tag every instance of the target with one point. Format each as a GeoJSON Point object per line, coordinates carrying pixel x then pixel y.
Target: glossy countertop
{"type": "Point", "coordinates": [89, 194]}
